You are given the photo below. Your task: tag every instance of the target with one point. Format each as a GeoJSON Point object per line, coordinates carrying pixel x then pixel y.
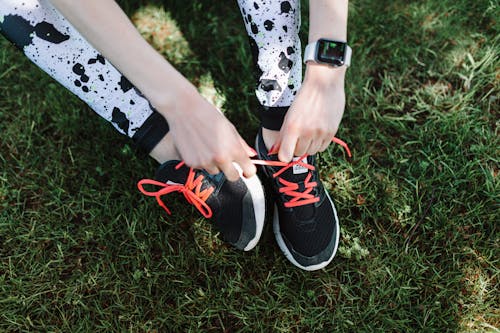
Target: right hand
{"type": "Point", "coordinates": [205, 139]}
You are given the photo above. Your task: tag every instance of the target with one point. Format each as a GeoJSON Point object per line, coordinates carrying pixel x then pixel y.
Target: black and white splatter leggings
{"type": "Point", "coordinates": [55, 46]}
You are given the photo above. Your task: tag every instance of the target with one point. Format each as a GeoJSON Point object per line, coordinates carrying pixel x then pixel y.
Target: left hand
{"type": "Point", "coordinates": [314, 117]}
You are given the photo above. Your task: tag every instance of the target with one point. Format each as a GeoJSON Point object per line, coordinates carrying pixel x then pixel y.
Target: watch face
{"type": "Point", "coordinates": [331, 52]}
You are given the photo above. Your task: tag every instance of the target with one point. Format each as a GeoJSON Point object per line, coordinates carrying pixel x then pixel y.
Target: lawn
{"type": "Point", "coordinates": [81, 250]}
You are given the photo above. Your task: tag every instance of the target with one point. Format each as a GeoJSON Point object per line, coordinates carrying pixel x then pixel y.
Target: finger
{"type": "Point", "coordinates": [315, 147]}
{"type": "Point", "coordinates": [230, 171]}
{"type": "Point", "coordinates": [212, 169]}
{"type": "Point", "coordinates": [287, 147]}
{"type": "Point", "coordinates": [249, 150]}
{"type": "Point", "coordinates": [324, 145]}
{"type": "Point", "coordinates": [247, 167]}
{"type": "Point", "coordinates": [302, 147]}
{"type": "Point", "coordinates": [275, 148]}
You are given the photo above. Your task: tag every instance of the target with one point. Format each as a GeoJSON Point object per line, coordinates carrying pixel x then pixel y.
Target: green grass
{"type": "Point", "coordinates": [82, 250]}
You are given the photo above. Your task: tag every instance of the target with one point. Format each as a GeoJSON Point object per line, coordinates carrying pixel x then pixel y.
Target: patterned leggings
{"type": "Point", "coordinates": [55, 46]}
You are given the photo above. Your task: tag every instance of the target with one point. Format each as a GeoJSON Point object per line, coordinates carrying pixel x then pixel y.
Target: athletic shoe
{"type": "Point", "coordinates": [305, 221]}
{"type": "Point", "coordinates": [237, 208]}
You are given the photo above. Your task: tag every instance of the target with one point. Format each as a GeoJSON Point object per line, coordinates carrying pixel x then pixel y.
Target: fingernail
{"type": "Point", "coordinates": [253, 152]}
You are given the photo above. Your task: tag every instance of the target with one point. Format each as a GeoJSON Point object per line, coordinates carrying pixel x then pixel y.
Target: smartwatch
{"type": "Point", "coordinates": [329, 52]}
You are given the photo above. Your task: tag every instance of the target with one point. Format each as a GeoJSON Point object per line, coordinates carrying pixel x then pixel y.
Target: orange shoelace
{"type": "Point", "coordinates": [197, 197]}
{"type": "Point", "coordinates": [290, 188]}
{"type": "Point", "coordinates": [191, 191]}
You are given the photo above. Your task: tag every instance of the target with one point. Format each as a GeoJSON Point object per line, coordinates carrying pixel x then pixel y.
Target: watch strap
{"type": "Point", "coordinates": [310, 52]}
{"type": "Point", "coordinates": [348, 55]}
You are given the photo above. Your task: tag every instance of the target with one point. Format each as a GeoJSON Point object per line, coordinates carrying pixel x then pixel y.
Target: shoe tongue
{"type": "Point", "coordinates": [297, 174]}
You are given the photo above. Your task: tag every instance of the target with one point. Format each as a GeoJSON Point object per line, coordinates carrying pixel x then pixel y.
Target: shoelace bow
{"type": "Point", "coordinates": [197, 197]}
{"type": "Point", "coordinates": [289, 188]}
{"type": "Point", "coordinates": [191, 191]}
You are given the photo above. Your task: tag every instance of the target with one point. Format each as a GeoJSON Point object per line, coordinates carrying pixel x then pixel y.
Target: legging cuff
{"type": "Point", "coordinates": [272, 116]}
{"type": "Point", "coordinates": [150, 133]}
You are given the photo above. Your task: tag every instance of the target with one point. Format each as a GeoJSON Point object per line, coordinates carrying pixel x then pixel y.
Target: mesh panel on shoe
{"type": "Point", "coordinates": [228, 209]}
{"type": "Point", "coordinates": [309, 238]}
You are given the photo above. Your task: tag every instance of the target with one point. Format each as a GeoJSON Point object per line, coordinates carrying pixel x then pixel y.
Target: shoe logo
{"type": "Point", "coordinates": [299, 169]}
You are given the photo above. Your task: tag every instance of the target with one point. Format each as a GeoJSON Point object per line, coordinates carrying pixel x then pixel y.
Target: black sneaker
{"type": "Point", "coordinates": [305, 221]}
{"type": "Point", "coordinates": [237, 208]}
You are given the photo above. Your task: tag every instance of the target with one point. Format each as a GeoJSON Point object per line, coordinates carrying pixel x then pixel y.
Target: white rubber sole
{"type": "Point", "coordinates": [259, 205]}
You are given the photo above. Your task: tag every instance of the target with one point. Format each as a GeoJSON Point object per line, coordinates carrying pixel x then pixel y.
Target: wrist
{"type": "Point", "coordinates": [324, 75]}
{"type": "Point", "coordinates": [170, 102]}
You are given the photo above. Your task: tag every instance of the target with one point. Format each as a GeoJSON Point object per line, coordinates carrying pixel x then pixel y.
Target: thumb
{"type": "Point", "coordinates": [276, 146]}
{"type": "Point", "coordinates": [287, 147]}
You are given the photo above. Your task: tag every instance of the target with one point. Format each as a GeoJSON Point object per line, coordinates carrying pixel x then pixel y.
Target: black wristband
{"type": "Point", "coordinates": [151, 132]}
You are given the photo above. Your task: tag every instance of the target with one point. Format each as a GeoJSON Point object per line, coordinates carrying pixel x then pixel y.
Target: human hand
{"type": "Point", "coordinates": [314, 117]}
{"type": "Point", "coordinates": [205, 139]}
